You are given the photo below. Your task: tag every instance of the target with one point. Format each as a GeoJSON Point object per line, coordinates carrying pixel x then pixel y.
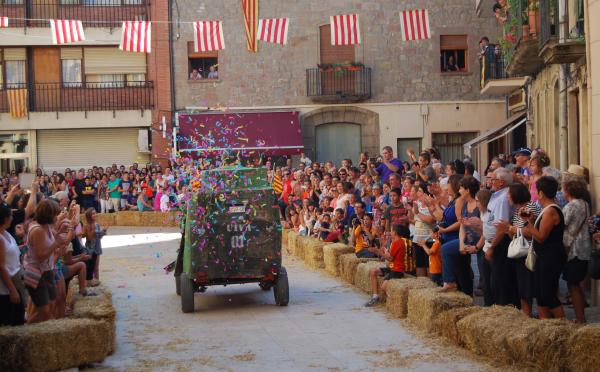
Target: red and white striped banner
{"type": "Point", "coordinates": [3, 22]}
{"type": "Point", "coordinates": [136, 37]}
{"type": "Point", "coordinates": [345, 30]}
{"type": "Point", "coordinates": [208, 36]}
{"type": "Point", "coordinates": [273, 30]}
{"type": "Point", "coordinates": [66, 31]}
{"type": "Point", "coordinates": [414, 25]}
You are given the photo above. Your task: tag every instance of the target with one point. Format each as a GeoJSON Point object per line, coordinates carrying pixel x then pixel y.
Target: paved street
{"type": "Point", "coordinates": [240, 329]}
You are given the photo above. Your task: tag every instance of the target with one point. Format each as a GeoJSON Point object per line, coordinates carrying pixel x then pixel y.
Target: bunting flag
{"type": "Point", "coordinates": [345, 30]}
{"type": "Point", "coordinates": [17, 102]}
{"type": "Point", "coordinates": [3, 22]}
{"type": "Point", "coordinates": [273, 30]}
{"type": "Point", "coordinates": [136, 37]}
{"type": "Point", "coordinates": [66, 31]}
{"type": "Point", "coordinates": [414, 25]}
{"type": "Point", "coordinates": [250, 9]}
{"type": "Point", "coordinates": [277, 185]}
{"type": "Point", "coordinates": [208, 36]}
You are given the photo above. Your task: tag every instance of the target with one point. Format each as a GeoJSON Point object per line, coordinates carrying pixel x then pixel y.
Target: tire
{"type": "Point", "coordinates": [187, 294]}
{"type": "Point", "coordinates": [178, 285]}
{"type": "Point", "coordinates": [281, 289]}
{"type": "Point", "coordinates": [265, 286]}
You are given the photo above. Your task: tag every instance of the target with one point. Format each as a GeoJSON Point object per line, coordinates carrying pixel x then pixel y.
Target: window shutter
{"type": "Point", "coordinates": [15, 54]}
{"type": "Point", "coordinates": [71, 53]}
{"type": "Point", "coordinates": [453, 42]}
{"type": "Point", "coordinates": [113, 61]}
{"type": "Point", "coordinates": [334, 54]}
{"type": "Point", "coordinates": [192, 54]}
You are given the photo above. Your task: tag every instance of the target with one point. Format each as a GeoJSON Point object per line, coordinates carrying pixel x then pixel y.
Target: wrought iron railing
{"type": "Point", "coordinates": [340, 82]}
{"type": "Point", "coordinates": [548, 21]}
{"type": "Point", "coordinates": [51, 97]}
{"type": "Point", "coordinates": [93, 13]}
{"type": "Point", "coordinates": [493, 65]}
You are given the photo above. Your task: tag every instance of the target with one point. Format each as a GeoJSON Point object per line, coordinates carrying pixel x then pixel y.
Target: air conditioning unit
{"type": "Point", "coordinates": [143, 141]}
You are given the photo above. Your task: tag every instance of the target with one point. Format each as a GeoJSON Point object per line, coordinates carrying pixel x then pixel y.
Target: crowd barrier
{"type": "Point", "coordinates": [86, 337]}
{"type": "Point", "coordinates": [500, 333]}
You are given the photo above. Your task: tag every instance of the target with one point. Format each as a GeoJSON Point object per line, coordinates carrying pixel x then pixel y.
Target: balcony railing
{"type": "Point", "coordinates": [548, 22]}
{"type": "Point", "coordinates": [93, 13]}
{"type": "Point", "coordinates": [339, 84]}
{"type": "Point", "coordinates": [56, 97]}
{"type": "Point", "coordinates": [493, 66]}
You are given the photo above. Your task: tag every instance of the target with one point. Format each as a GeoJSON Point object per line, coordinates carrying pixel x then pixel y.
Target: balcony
{"type": "Point", "coordinates": [495, 81]}
{"type": "Point", "coordinates": [338, 84]}
{"type": "Point", "coordinates": [93, 13]}
{"type": "Point", "coordinates": [572, 48]}
{"type": "Point", "coordinates": [523, 26]}
{"type": "Point", "coordinates": [55, 97]}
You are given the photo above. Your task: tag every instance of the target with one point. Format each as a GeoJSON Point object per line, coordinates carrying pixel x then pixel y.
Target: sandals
{"type": "Point", "coordinates": [88, 293]}
{"type": "Point", "coordinates": [448, 288]}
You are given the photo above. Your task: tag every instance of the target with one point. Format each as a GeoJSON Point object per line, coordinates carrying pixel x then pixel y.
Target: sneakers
{"type": "Point", "coordinates": [372, 302]}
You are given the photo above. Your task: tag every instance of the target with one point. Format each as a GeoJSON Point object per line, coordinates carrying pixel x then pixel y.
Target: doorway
{"type": "Point", "coordinates": [338, 141]}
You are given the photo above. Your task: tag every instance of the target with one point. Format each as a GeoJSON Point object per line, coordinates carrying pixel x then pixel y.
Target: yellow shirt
{"type": "Point", "coordinates": [359, 238]}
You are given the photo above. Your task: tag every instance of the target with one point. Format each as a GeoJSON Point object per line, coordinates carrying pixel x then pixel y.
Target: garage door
{"type": "Point", "coordinates": [83, 148]}
{"type": "Point", "coordinates": [338, 141]}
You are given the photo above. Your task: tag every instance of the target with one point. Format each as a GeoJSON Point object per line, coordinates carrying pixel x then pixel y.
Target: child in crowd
{"type": "Point", "coordinates": [323, 229]}
{"type": "Point", "coordinates": [432, 248]}
{"type": "Point", "coordinates": [94, 233]}
{"type": "Point", "coordinates": [395, 257]}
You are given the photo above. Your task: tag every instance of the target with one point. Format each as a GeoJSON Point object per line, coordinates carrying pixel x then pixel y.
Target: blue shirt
{"type": "Point", "coordinates": [385, 172]}
{"type": "Point", "coordinates": [449, 220]}
{"type": "Point", "coordinates": [499, 209]}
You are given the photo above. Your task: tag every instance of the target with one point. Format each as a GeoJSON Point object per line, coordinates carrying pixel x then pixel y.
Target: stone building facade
{"type": "Point", "coordinates": [410, 96]}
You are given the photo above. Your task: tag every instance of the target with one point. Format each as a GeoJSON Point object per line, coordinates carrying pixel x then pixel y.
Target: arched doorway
{"type": "Point", "coordinates": [337, 141]}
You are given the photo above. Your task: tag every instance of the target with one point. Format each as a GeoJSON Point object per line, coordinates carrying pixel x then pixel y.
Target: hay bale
{"type": "Point", "coordinates": [157, 218]}
{"type": "Point", "coordinates": [291, 242]}
{"type": "Point", "coordinates": [54, 345]}
{"type": "Point", "coordinates": [397, 293]}
{"type": "Point", "coordinates": [103, 219]}
{"type": "Point", "coordinates": [361, 277]}
{"type": "Point", "coordinates": [98, 307]}
{"type": "Point", "coordinates": [445, 323]}
{"type": "Point", "coordinates": [128, 218]}
{"type": "Point", "coordinates": [313, 253]}
{"type": "Point", "coordinates": [302, 243]}
{"type": "Point", "coordinates": [425, 305]}
{"type": "Point", "coordinates": [348, 264]}
{"type": "Point", "coordinates": [331, 256]}
{"type": "Point", "coordinates": [284, 237]}
{"type": "Point", "coordinates": [581, 356]}
{"type": "Point", "coordinates": [505, 334]}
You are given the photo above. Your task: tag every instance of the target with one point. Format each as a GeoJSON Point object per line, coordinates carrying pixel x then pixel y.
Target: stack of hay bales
{"type": "Point", "coordinates": [98, 307]}
{"type": "Point", "coordinates": [103, 219]}
{"type": "Point", "coordinates": [445, 323]}
{"type": "Point", "coordinates": [284, 237]}
{"type": "Point", "coordinates": [157, 219]}
{"type": "Point", "coordinates": [348, 265]}
{"type": "Point", "coordinates": [292, 239]}
{"type": "Point", "coordinates": [505, 334]}
{"type": "Point", "coordinates": [361, 278]}
{"type": "Point", "coordinates": [331, 257]}
{"type": "Point", "coordinates": [54, 345]}
{"type": "Point", "coordinates": [581, 353]}
{"type": "Point", "coordinates": [301, 244]}
{"type": "Point", "coordinates": [425, 305]}
{"type": "Point", "coordinates": [313, 253]}
{"type": "Point", "coordinates": [397, 293]}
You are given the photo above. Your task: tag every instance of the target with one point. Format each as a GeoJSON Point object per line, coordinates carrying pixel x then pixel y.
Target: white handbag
{"type": "Point", "coordinates": [519, 246]}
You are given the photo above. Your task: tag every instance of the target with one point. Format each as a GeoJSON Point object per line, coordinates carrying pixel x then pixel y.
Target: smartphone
{"type": "Point", "coordinates": [26, 179]}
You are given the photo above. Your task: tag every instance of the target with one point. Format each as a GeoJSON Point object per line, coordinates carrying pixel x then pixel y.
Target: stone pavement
{"type": "Point", "coordinates": [239, 328]}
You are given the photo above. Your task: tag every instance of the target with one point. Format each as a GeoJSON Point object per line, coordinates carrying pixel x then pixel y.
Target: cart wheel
{"type": "Point", "coordinates": [281, 289]}
{"type": "Point", "coordinates": [265, 286]}
{"type": "Point", "coordinates": [187, 294]}
{"type": "Point", "coordinates": [178, 285]}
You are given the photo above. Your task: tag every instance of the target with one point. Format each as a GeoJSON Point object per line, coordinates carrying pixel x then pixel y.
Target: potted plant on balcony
{"type": "Point", "coordinates": [534, 17]}
{"type": "Point", "coordinates": [355, 66]}
{"type": "Point", "coordinates": [525, 25]}
{"type": "Point", "coordinates": [325, 67]}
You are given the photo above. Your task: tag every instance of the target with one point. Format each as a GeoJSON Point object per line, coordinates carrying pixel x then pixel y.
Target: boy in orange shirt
{"type": "Point", "coordinates": [433, 249]}
{"type": "Point", "coordinates": [395, 270]}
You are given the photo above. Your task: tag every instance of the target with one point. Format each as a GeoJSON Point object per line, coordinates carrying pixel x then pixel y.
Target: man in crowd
{"type": "Point", "coordinates": [426, 171]}
{"type": "Point", "coordinates": [389, 164]}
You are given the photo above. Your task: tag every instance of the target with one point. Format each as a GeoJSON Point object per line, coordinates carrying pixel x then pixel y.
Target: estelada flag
{"type": "Point", "coordinates": [277, 185]}
{"type": "Point", "coordinates": [250, 9]}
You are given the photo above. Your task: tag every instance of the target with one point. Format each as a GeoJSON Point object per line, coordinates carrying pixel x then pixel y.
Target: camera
{"type": "Point", "coordinates": [356, 222]}
{"type": "Point", "coordinates": [438, 226]}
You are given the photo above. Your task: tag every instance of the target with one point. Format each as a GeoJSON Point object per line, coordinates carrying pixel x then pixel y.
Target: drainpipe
{"type": "Point", "coordinates": [172, 71]}
{"type": "Point", "coordinates": [563, 114]}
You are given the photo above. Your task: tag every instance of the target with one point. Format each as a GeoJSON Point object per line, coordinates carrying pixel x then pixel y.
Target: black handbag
{"type": "Point", "coordinates": [595, 264]}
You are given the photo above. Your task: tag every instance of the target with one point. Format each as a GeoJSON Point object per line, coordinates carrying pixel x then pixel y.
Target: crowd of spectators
{"type": "Point", "coordinates": [428, 218]}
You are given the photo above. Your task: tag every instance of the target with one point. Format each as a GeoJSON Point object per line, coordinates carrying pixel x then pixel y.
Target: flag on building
{"type": "Point", "coordinates": [136, 37]}
{"type": "Point", "coordinates": [3, 22]}
{"type": "Point", "coordinates": [274, 30]}
{"type": "Point", "coordinates": [66, 31]}
{"type": "Point", "coordinates": [414, 25]}
{"type": "Point", "coordinates": [250, 9]}
{"type": "Point", "coordinates": [208, 36]}
{"type": "Point", "coordinates": [17, 102]}
{"type": "Point", "coordinates": [277, 185]}
{"type": "Point", "coordinates": [345, 30]}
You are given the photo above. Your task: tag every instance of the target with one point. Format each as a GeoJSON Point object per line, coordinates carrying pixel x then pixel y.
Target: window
{"type": "Point", "coordinates": [450, 145]}
{"type": "Point", "coordinates": [202, 65]}
{"type": "Point", "coordinates": [71, 73]}
{"type": "Point", "coordinates": [15, 74]}
{"type": "Point", "coordinates": [454, 53]}
{"type": "Point", "coordinates": [333, 54]}
{"type": "Point", "coordinates": [101, 2]}
{"type": "Point", "coordinates": [13, 2]}
{"type": "Point", "coordinates": [136, 80]}
{"type": "Point", "coordinates": [105, 81]}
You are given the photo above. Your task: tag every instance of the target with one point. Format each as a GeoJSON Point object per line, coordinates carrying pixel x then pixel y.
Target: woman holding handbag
{"type": "Point", "coordinates": [547, 233]}
{"type": "Point", "coordinates": [578, 242]}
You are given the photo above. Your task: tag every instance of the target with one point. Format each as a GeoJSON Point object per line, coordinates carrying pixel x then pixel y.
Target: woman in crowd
{"type": "Point", "coordinates": [12, 289]}
{"type": "Point", "coordinates": [547, 232]}
{"type": "Point", "coordinates": [44, 243]}
{"type": "Point", "coordinates": [103, 194]}
{"type": "Point", "coordinates": [536, 168]}
{"type": "Point", "coordinates": [423, 223]}
{"type": "Point", "coordinates": [578, 243]}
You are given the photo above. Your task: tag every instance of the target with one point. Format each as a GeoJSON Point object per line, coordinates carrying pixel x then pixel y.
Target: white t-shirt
{"type": "Point", "coordinates": [164, 203]}
{"type": "Point", "coordinates": [11, 259]}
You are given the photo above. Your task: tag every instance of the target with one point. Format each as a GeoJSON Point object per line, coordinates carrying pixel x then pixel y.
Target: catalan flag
{"type": "Point", "coordinates": [250, 9]}
{"type": "Point", "coordinates": [17, 102]}
{"type": "Point", "coordinates": [277, 184]}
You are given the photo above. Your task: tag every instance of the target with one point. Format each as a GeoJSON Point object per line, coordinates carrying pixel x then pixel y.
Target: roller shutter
{"type": "Point", "coordinates": [113, 61]}
{"type": "Point", "coordinates": [83, 148]}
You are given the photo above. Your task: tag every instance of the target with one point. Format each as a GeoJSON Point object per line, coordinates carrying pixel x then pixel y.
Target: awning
{"type": "Point", "coordinates": [508, 126]}
{"type": "Point", "coordinates": [251, 133]}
